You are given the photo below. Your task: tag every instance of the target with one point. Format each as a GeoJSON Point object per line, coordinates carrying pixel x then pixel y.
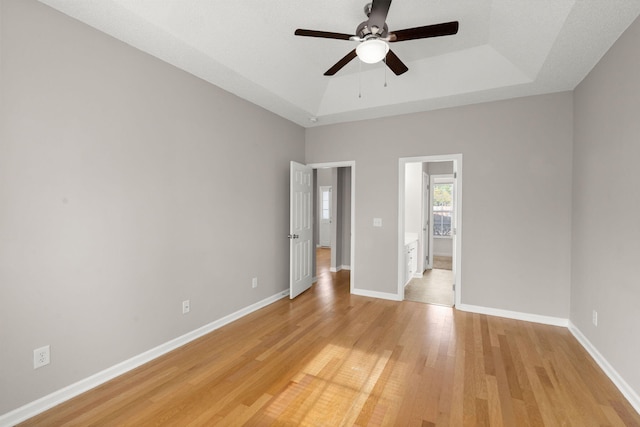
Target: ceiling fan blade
{"type": "Point", "coordinates": [344, 61]}
{"type": "Point", "coordinates": [378, 15]}
{"type": "Point", "coordinates": [322, 34]}
{"type": "Point", "coordinates": [437, 30]}
{"type": "Point", "coordinates": [395, 64]}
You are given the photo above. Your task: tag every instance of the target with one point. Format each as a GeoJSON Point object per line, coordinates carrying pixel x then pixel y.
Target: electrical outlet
{"type": "Point", "coordinates": [595, 318]}
{"type": "Point", "coordinates": [186, 306]}
{"type": "Point", "coordinates": [377, 222]}
{"type": "Point", "coordinates": [254, 282]}
{"type": "Point", "coordinates": [41, 357]}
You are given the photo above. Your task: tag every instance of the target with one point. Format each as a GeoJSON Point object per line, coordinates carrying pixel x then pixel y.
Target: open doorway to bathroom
{"type": "Point", "coordinates": [429, 232]}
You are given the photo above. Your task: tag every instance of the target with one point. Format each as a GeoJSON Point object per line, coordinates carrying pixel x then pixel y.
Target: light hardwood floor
{"type": "Point", "coordinates": [329, 358]}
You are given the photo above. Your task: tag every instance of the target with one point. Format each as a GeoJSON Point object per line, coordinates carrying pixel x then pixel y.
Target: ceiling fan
{"type": "Point", "coordinates": [373, 36]}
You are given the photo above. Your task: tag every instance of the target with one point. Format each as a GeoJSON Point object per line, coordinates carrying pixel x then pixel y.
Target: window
{"type": "Point", "coordinates": [326, 204]}
{"type": "Point", "coordinates": [442, 208]}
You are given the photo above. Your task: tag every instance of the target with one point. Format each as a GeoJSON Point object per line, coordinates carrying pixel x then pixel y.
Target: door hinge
{"type": "Point", "coordinates": [455, 175]}
{"type": "Point", "coordinates": [454, 287]}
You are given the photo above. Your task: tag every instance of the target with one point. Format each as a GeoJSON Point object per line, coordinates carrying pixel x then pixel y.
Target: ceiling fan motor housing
{"type": "Point", "coordinates": [364, 32]}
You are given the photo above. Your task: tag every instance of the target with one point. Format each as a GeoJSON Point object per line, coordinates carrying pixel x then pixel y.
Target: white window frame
{"type": "Point", "coordinates": [441, 179]}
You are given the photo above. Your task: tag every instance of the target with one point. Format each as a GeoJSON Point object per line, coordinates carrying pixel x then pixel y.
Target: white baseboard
{"type": "Point", "coordinates": [547, 320]}
{"type": "Point", "coordinates": [342, 267]}
{"type": "Point", "coordinates": [38, 406]}
{"type": "Point", "coordinates": [625, 389]}
{"type": "Point", "coordinates": [376, 294]}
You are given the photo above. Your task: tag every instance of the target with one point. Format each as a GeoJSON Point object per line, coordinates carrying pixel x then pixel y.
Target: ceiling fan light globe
{"type": "Point", "coordinates": [372, 51]}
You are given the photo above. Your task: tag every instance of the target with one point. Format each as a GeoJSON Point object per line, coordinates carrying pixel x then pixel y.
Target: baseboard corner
{"type": "Point", "coordinates": [627, 391]}
{"type": "Point", "coordinates": [376, 294]}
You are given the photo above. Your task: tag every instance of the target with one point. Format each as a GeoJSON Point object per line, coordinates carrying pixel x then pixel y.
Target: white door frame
{"type": "Point", "coordinates": [457, 243]}
{"type": "Point", "coordinates": [350, 164]}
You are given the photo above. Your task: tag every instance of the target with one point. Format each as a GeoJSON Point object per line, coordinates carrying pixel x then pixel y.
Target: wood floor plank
{"type": "Point", "coordinates": [332, 358]}
{"type": "Point", "coordinates": [504, 395]}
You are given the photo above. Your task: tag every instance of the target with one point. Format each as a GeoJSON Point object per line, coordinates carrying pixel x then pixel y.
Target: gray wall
{"type": "Point", "coordinates": [324, 176]}
{"type": "Point", "coordinates": [126, 186]}
{"type": "Point", "coordinates": [344, 175]}
{"type": "Point", "coordinates": [520, 148]}
{"type": "Point", "coordinates": [606, 206]}
{"type": "Point", "coordinates": [413, 199]}
{"type": "Point", "coordinates": [440, 168]}
{"type": "Point", "coordinates": [336, 249]}
{"type": "Point", "coordinates": [443, 246]}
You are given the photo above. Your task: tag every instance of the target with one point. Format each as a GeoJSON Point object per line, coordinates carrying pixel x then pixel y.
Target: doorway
{"type": "Point", "coordinates": [334, 217]}
{"type": "Point", "coordinates": [429, 229]}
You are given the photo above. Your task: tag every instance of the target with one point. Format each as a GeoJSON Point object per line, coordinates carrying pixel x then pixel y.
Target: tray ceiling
{"type": "Point", "coordinates": [504, 49]}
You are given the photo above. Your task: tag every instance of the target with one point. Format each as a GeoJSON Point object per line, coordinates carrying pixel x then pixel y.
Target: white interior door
{"type": "Point", "coordinates": [300, 229]}
{"type": "Point", "coordinates": [426, 214]}
{"type": "Point", "coordinates": [454, 226]}
{"type": "Point", "coordinates": [324, 207]}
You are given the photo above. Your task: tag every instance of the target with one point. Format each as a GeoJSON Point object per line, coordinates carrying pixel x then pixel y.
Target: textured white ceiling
{"type": "Point", "coordinates": [504, 49]}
